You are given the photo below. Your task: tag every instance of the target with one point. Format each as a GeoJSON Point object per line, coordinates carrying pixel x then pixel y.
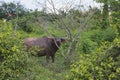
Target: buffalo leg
{"type": "Point", "coordinates": [53, 56]}
{"type": "Point", "coordinates": [47, 58]}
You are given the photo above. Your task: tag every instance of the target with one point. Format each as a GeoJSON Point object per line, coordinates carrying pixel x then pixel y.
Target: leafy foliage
{"type": "Point", "coordinates": [90, 40]}
{"type": "Point", "coordinates": [12, 61]}
{"type": "Point", "coordinates": [101, 64]}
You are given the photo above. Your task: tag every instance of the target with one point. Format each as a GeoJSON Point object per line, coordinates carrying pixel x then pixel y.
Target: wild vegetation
{"type": "Point", "coordinates": [92, 50]}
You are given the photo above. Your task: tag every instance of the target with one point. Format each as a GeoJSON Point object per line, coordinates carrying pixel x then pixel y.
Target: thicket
{"type": "Point", "coordinates": [102, 63]}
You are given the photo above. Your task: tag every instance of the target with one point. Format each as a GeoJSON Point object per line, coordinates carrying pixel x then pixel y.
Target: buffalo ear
{"type": "Point", "coordinates": [63, 40]}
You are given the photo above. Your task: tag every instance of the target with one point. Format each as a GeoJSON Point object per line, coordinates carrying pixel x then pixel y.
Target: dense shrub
{"type": "Point", "coordinates": [90, 40]}
{"type": "Point", "coordinates": [102, 64]}
{"type": "Point", "coordinates": [12, 61]}
{"type": "Point", "coordinates": [25, 23]}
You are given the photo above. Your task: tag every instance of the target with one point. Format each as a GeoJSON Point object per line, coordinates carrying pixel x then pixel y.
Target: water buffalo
{"type": "Point", "coordinates": [48, 46]}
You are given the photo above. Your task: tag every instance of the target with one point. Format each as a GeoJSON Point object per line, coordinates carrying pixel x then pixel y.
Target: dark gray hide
{"type": "Point", "coordinates": [48, 45]}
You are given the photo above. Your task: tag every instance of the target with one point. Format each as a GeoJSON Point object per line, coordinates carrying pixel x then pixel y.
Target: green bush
{"type": "Point", "coordinates": [108, 34]}
{"type": "Point", "coordinates": [102, 64]}
{"type": "Point", "coordinates": [87, 46]}
{"type": "Point", "coordinates": [12, 61]}
{"type": "Point", "coordinates": [91, 40]}
{"type": "Point", "coordinates": [24, 25]}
